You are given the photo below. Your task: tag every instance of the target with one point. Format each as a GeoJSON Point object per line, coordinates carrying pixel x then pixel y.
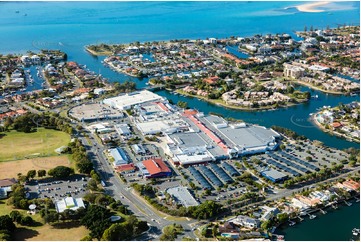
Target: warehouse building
{"type": "Point", "coordinates": [119, 156]}
{"type": "Point", "coordinates": [129, 100]}
{"type": "Point", "coordinates": [122, 129]}
{"type": "Point", "coordinates": [190, 148]}
{"type": "Point", "coordinates": [240, 138]}
{"type": "Point", "coordinates": [182, 196]}
{"type": "Point", "coordinates": [274, 175]}
{"type": "Point", "coordinates": [154, 168]}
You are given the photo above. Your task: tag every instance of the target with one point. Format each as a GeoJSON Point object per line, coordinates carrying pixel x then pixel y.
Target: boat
{"type": "Point", "coordinates": [323, 211]}
{"type": "Point", "coordinates": [280, 237]}
{"type": "Point", "coordinates": [334, 206]}
{"type": "Point", "coordinates": [315, 96]}
{"type": "Point", "coordinates": [352, 94]}
{"type": "Point", "coordinates": [355, 231]}
{"type": "Point", "coordinates": [348, 204]}
{"type": "Point", "coordinates": [291, 223]}
{"type": "Point", "coordinates": [357, 200]}
{"type": "Point", "coordinates": [312, 216]}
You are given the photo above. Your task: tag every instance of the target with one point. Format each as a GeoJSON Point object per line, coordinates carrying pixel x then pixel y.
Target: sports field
{"type": "Point", "coordinates": [10, 169]}
{"type": "Point", "coordinates": [18, 145]}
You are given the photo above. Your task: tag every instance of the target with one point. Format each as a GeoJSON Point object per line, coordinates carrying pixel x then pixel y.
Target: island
{"type": "Point", "coordinates": [342, 120]}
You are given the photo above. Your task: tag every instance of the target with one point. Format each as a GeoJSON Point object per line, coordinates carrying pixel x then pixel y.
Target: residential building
{"type": "Point", "coordinates": [246, 221]}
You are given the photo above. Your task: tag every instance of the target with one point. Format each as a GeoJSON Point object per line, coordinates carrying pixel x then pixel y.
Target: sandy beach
{"type": "Point", "coordinates": [311, 7]}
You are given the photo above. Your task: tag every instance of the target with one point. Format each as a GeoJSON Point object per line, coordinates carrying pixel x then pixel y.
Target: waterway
{"type": "Point", "coordinates": [71, 26]}
{"type": "Point", "coordinates": [336, 225]}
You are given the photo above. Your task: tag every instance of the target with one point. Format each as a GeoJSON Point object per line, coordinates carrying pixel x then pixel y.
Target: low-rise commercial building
{"type": "Point", "coordinates": [274, 175]}
{"type": "Point", "coordinates": [154, 168]}
{"type": "Point", "coordinates": [183, 196]}
{"type": "Point", "coordinates": [119, 156]}
{"type": "Point", "coordinates": [240, 138]}
{"type": "Point", "coordinates": [69, 203]}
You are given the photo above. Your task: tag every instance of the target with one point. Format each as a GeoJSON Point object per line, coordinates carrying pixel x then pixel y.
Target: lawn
{"type": "Point", "coordinates": [10, 169]}
{"type": "Point", "coordinates": [50, 233]}
{"type": "Point", "coordinates": [18, 145]}
{"type": "Point", "coordinates": [68, 231]}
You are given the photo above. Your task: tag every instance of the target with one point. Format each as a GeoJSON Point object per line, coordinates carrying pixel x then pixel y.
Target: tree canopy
{"type": "Point", "coordinates": [61, 172]}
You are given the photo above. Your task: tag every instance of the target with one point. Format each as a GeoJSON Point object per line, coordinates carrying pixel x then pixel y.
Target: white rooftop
{"type": "Point", "coordinates": [182, 195]}
{"type": "Point", "coordinates": [129, 100]}
{"type": "Point", "coordinates": [69, 203]}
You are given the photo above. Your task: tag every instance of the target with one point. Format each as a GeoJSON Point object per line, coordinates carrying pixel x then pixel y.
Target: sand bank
{"type": "Point", "coordinates": [311, 7]}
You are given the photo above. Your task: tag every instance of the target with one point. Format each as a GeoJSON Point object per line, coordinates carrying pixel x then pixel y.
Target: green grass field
{"type": "Point", "coordinates": [18, 145]}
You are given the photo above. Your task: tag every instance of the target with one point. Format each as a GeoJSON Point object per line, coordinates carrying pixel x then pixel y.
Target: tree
{"type": "Point", "coordinates": [266, 225]}
{"type": "Point", "coordinates": [85, 167]}
{"type": "Point", "coordinates": [93, 185]}
{"type": "Point", "coordinates": [6, 224]}
{"type": "Point", "coordinates": [27, 221]}
{"type": "Point", "coordinates": [31, 174]}
{"type": "Point", "coordinates": [182, 104]}
{"type": "Point", "coordinates": [15, 216]}
{"type": "Point", "coordinates": [214, 231]}
{"type": "Point", "coordinates": [41, 173]}
{"type": "Point", "coordinates": [61, 172]}
{"type": "Point", "coordinates": [282, 217]}
{"type": "Point", "coordinates": [116, 232]}
{"type": "Point", "coordinates": [86, 238]}
{"type": "Point", "coordinates": [50, 216]}
{"type": "Point", "coordinates": [96, 220]}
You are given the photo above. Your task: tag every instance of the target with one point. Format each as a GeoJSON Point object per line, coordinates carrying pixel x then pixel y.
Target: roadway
{"type": "Point", "coordinates": [120, 191]}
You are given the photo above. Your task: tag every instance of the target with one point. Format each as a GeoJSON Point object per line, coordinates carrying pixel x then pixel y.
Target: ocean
{"type": "Point", "coordinates": [70, 26]}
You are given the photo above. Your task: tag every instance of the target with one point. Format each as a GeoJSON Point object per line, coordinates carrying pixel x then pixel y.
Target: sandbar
{"type": "Point", "coordinates": [311, 7]}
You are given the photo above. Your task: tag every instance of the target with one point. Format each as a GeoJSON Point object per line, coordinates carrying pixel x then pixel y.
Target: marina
{"type": "Point", "coordinates": [323, 223]}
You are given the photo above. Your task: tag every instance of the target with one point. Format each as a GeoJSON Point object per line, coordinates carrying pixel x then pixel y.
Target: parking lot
{"type": "Point", "coordinates": [54, 189]}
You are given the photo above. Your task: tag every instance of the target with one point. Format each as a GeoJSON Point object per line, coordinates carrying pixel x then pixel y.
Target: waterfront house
{"type": "Point", "coordinates": [311, 202]}
{"type": "Point", "coordinates": [349, 185]}
{"type": "Point", "coordinates": [336, 125]}
{"type": "Point", "coordinates": [268, 213]}
{"type": "Point", "coordinates": [246, 221]}
{"type": "Point", "coordinates": [298, 204]}
{"type": "Point", "coordinates": [228, 229]}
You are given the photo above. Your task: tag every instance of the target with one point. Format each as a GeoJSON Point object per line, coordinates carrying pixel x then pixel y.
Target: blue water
{"type": "Point", "coordinates": [234, 50]}
{"type": "Point", "coordinates": [322, 227]}
{"type": "Point", "coordinates": [70, 26]}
